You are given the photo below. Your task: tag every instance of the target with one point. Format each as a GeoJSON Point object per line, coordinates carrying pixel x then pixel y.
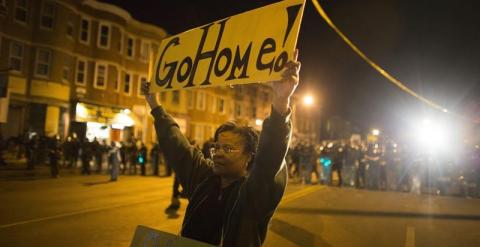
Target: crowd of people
{"type": "Point", "coordinates": [385, 166]}
{"type": "Point", "coordinates": [350, 163]}
{"type": "Point", "coordinates": [91, 156]}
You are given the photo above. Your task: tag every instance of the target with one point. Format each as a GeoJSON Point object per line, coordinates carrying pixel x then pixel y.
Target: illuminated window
{"type": "Point", "coordinates": [48, 15]}
{"type": "Point", "coordinates": [16, 56]}
{"type": "Point", "coordinates": [42, 64]}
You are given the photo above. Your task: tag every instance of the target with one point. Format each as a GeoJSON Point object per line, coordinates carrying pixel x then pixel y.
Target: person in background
{"type": "Point", "coordinates": [86, 156]}
{"type": "Point", "coordinates": [114, 159]}
{"type": "Point", "coordinates": [97, 153]}
{"type": "Point", "coordinates": [142, 159]}
{"type": "Point", "coordinates": [155, 158]}
{"type": "Point", "coordinates": [54, 154]}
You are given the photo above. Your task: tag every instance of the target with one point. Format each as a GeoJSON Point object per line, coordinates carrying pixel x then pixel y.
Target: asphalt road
{"type": "Point", "coordinates": [90, 211]}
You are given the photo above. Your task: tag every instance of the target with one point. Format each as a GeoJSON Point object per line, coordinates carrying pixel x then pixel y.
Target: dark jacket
{"type": "Point", "coordinates": [253, 199]}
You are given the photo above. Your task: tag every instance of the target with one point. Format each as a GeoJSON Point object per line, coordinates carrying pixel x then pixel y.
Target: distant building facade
{"type": "Point", "coordinates": [75, 66]}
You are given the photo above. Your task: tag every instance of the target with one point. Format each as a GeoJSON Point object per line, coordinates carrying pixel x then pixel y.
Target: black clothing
{"type": "Point", "coordinates": [253, 198]}
{"type": "Point", "coordinates": [209, 216]}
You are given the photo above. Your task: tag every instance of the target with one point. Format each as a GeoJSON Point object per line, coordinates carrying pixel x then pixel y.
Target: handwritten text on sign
{"type": "Point", "coordinates": [250, 47]}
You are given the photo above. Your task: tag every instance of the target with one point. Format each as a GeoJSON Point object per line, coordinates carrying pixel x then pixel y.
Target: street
{"type": "Point", "coordinates": [91, 211]}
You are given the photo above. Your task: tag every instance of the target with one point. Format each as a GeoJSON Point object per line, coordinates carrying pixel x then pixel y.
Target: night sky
{"type": "Point", "coordinates": [431, 46]}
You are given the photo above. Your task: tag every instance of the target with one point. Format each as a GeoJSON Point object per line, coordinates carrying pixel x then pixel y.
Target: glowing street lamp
{"type": "Point", "coordinates": [308, 100]}
{"type": "Point", "coordinates": [376, 132]}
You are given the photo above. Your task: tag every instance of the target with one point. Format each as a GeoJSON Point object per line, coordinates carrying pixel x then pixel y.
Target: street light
{"type": "Point", "coordinates": [308, 100]}
{"type": "Point", "coordinates": [376, 132]}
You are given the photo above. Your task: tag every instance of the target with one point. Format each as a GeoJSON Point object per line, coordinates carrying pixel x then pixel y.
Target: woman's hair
{"type": "Point", "coordinates": [249, 135]}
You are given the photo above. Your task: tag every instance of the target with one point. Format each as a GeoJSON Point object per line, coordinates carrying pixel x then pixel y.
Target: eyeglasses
{"type": "Point", "coordinates": [225, 148]}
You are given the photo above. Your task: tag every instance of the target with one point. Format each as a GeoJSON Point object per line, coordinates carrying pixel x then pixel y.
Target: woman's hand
{"type": "Point", "coordinates": [149, 97]}
{"type": "Point", "coordinates": [283, 89]}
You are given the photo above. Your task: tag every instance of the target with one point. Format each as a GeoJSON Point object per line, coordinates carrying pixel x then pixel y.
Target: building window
{"type": "Point", "coordinates": [48, 15]}
{"type": "Point", "coordinates": [67, 65]}
{"type": "Point", "coordinates": [176, 97]}
{"type": "Point", "coordinates": [213, 103]}
{"type": "Point", "coordinates": [116, 79]}
{"type": "Point", "coordinates": [221, 105]}
{"type": "Point", "coordinates": [3, 7]}
{"type": "Point", "coordinates": [208, 131]}
{"type": "Point", "coordinates": [100, 76]}
{"type": "Point", "coordinates": [199, 132]}
{"type": "Point", "coordinates": [238, 110]}
{"type": "Point", "coordinates": [126, 85]}
{"type": "Point", "coordinates": [120, 42]}
{"type": "Point", "coordinates": [130, 47]}
{"type": "Point", "coordinates": [70, 28]}
{"type": "Point", "coordinates": [144, 51]}
{"type": "Point", "coordinates": [190, 99]}
{"type": "Point", "coordinates": [139, 91]}
{"type": "Point", "coordinates": [81, 72]}
{"type": "Point", "coordinates": [201, 100]}
{"type": "Point", "coordinates": [21, 11]}
{"type": "Point", "coordinates": [44, 58]}
{"type": "Point", "coordinates": [16, 56]}
{"type": "Point", "coordinates": [84, 31]}
{"type": "Point", "coordinates": [104, 36]}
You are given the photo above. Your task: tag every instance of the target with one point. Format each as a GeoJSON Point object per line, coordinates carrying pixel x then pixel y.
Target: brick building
{"type": "Point", "coordinates": [76, 66]}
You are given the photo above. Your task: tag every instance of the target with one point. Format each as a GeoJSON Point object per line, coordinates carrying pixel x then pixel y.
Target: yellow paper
{"type": "Point", "coordinates": [247, 48]}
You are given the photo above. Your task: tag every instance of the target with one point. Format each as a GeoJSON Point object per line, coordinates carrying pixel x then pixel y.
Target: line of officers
{"type": "Point", "coordinates": [384, 166]}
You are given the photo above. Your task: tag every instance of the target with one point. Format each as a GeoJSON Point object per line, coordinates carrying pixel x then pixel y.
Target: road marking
{"type": "Point", "coordinates": [303, 192]}
{"type": "Point", "coordinates": [90, 210]}
{"type": "Point", "coordinates": [410, 238]}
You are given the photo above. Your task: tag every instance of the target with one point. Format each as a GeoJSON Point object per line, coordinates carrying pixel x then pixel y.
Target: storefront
{"type": "Point", "coordinates": [102, 122]}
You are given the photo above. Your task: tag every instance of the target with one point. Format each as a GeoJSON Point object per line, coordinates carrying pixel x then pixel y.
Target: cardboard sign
{"type": "Point", "coordinates": [250, 47]}
{"type": "Point", "coordinates": [148, 237]}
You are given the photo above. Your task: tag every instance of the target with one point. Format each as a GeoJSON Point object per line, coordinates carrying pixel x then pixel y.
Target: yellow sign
{"type": "Point", "coordinates": [250, 47]}
{"type": "Point", "coordinates": [148, 237]}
